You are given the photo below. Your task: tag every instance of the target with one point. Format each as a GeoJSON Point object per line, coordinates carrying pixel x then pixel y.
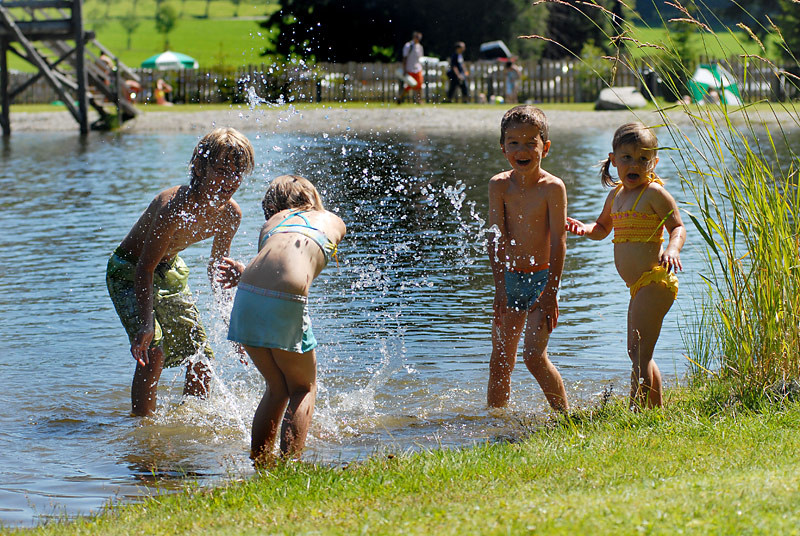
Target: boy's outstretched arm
{"type": "Point", "coordinates": [229, 272]}
{"type": "Point", "coordinates": [153, 251]}
{"type": "Point", "coordinates": [226, 228]}
{"type": "Point", "coordinates": [557, 221]}
{"type": "Point", "coordinates": [496, 240]}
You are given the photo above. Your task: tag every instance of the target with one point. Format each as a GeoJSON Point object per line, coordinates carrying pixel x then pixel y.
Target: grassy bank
{"type": "Point", "coordinates": [605, 471]}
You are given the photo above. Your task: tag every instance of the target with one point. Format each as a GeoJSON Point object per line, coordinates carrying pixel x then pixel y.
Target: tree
{"type": "Point", "coordinates": [208, 4]}
{"type": "Point", "coordinates": [368, 30]}
{"type": "Point", "coordinates": [108, 6]}
{"type": "Point", "coordinates": [166, 17]}
{"type": "Point", "coordinates": [235, 7]}
{"type": "Point", "coordinates": [97, 20]}
{"type": "Point", "coordinates": [789, 23]}
{"type": "Point", "coordinates": [531, 20]}
{"type": "Point", "coordinates": [129, 24]}
{"type": "Point", "coordinates": [572, 24]}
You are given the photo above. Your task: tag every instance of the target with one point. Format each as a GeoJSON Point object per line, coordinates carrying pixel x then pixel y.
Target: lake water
{"type": "Point", "coordinates": [403, 321]}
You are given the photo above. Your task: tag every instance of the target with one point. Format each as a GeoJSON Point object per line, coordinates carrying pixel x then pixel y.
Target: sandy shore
{"type": "Point", "coordinates": [372, 119]}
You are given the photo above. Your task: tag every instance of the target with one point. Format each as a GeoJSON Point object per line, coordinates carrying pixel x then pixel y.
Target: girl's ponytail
{"type": "Point", "coordinates": [605, 173]}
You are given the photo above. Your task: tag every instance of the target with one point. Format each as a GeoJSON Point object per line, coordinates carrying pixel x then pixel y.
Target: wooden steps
{"type": "Point", "coordinates": [49, 35]}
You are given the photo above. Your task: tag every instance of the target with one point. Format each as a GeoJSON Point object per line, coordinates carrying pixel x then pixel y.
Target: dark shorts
{"type": "Point", "coordinates": [177, 322]}
{"type": "Point", "coordinates": [524, 288]}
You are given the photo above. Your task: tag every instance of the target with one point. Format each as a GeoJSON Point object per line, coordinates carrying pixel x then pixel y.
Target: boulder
{"type": "Point", "coordinates": [620, 98]}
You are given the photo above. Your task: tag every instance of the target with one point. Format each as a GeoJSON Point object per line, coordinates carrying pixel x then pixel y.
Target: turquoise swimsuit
{"type": "Point", "coordinates": [326, 244]}
{"type": "Point", "coordinates": [271, 319]}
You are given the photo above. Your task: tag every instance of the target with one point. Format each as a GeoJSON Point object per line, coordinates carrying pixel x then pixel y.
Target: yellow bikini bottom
{"type": "Point", "coordinates": [659, 274]}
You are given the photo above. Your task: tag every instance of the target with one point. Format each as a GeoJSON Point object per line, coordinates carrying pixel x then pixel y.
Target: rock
{"type": "Point", "coordinates": [620, 98]}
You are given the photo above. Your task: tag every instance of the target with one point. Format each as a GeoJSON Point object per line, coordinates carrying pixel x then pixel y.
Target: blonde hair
{"type": "Point", "coordinates": [288, 192]}
{"type": "Point", "coordinates": [629, 133]}
{"type": "Point", "coordinates": [524, 114]}
{"type": "Point", "coordinates": [223, 143]}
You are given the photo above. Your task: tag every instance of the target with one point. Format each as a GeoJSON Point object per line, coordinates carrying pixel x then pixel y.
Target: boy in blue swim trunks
{"type": "Point", "coordinates": [147, 280]}
{"type": "Point", "coordinates": [526, 245]}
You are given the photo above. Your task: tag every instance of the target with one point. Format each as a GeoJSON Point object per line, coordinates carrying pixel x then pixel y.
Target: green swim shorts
{"type": "Point", "coordinates": [177, 321]}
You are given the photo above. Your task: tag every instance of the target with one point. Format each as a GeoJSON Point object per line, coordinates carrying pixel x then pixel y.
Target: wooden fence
{"type": "Point", "coordinates": [542, 81]}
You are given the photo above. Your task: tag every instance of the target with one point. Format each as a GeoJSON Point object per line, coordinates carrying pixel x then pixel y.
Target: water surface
{"type": "Point", "coordinates": [403, 320]}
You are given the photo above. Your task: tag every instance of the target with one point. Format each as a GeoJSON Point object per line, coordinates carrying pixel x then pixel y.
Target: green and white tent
{"type": "Point", "coordinates": [710, 77]}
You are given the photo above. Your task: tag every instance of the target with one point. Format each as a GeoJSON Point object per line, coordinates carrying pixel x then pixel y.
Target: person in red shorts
{"type": "Point", "coordinates": [412, 67]}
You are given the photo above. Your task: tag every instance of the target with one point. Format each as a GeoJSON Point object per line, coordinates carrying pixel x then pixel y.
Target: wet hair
{"type": "Point", "coordinates": [221, 144]}
{"type": "Point", "coordinates": [524, 114]}
{"type": "Point", "coordinates": [628, 134]}
{"type": "Point", "coordinates": [289, 192]}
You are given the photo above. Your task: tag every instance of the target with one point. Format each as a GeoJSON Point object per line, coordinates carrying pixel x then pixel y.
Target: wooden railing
{"type": "Point", "coordinates": [542, 81]}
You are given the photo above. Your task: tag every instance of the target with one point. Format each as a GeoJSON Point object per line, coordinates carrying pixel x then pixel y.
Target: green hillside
{"type": "Point", "coordinates": [720, 44]}
{"type": "Point", "coordinates": [229, 35]}
{"type": "Point", "coordinates": [221, 38]}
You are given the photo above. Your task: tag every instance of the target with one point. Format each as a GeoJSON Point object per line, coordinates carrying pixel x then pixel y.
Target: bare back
{"type": "Point", "coordinates": [290, 261]}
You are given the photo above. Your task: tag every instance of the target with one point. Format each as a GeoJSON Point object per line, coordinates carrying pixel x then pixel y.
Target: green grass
{"type": "Point", "coordinates": [607, 471]}
{"type": "Point", "coordinates": [720, 45]}
{"type": "Point", "coordinates": [218, 40]}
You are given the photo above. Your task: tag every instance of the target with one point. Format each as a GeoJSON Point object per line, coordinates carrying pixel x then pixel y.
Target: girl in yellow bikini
{"type": "Point", "coordinates": [638, 210]}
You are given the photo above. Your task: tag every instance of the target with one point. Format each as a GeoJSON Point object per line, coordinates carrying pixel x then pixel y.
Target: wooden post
{"type": "Point", "coordinates": [5, 116]}
{"type": "Point", "coordinates": [80, 66]}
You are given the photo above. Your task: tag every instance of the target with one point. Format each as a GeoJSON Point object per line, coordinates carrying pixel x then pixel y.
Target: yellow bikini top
{"type": "Point", "coordinates": [633, 226]}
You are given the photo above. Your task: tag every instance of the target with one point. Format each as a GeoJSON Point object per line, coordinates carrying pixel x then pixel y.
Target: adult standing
{"type": "Point", "coordinates": [458, 74]}
{"type": "Point", "coordinates": [412, 67]}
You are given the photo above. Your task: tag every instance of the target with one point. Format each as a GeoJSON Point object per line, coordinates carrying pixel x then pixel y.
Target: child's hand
{"type": "Point", "coordinates": [671, 260]}
{"type": "Point", "coordinates": [576, 227]}
{"type": "Point", "coordinates": [548, 303]}
{"type": "Point", "coordinates": [229, 272]}
{"type": "Point", "coordinates": [500, 304]}
{"type": "Point", "coordinates": [141, 342]}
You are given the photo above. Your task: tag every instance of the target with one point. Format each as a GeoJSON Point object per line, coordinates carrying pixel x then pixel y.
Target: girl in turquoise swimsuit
{"type": "Point", "coordinates": [270, 312]}
{"type": "Point", "coordinates": [637, 211]}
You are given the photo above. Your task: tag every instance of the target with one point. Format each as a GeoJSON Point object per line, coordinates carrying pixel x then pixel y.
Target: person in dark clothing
{"type": "Point", "coordinates": [458, 74]}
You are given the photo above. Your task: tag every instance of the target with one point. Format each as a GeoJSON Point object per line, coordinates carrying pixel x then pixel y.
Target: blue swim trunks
{"type": "Point", "coordinates": [271, 319]}
{"type": "Point", "coordinates": [524, 288]}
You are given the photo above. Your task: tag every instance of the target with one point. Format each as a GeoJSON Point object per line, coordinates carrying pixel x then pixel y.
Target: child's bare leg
{"type": "Point", "coordinates": [506, 331]}
{"type": "Point", "coordinates": [145, 383]}
{"type": "Point", "coordinates": [198, 376]}
{"type": "Point", "coordinates": [272, 406]}
{"type": "Point", "coordinates": [300, 372]}
{"type": "Point", "coordinates": [534, 354]}
{"type": "Point", "coordinates": [646, 313]}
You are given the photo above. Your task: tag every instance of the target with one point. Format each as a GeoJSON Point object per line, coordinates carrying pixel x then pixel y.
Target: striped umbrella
{"type": "Point", "coordinates": [170, 61]}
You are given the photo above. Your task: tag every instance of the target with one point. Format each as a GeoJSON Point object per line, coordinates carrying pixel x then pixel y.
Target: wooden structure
{"type": "Point", "coordinates": [49, 35]}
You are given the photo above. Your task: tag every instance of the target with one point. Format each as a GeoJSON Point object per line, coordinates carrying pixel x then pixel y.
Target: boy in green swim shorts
{"type": "Point", "coordinates": [147, 280]}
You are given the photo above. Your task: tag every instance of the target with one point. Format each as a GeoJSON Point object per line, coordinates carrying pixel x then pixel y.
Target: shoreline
{"type": "Point", "coordinates": [373, 119]}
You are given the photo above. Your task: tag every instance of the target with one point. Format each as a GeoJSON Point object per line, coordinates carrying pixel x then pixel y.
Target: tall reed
{"type": "Point", "coordinates": [741, 177]}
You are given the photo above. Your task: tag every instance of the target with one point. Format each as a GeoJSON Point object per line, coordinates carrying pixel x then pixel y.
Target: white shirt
{"type": "Point", "coordinates": [412, 54]}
